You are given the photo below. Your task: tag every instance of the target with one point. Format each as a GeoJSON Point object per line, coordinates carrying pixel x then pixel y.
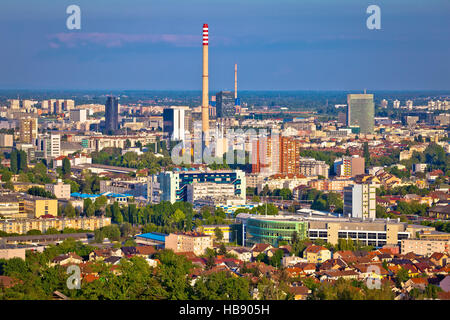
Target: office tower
{"type": "Point", "coordinates": [205, 87]}
{"type": "Point", "coordinates": [225, 104]}
{"type": "Point", "coordinates": [289, 155]}
{"type": "Point", "coordinates": [78, 115]}
{"type": "Point", "coordinates": [174, 123]}
{"type": "Point", "coordinates": [342, 118]}
{"type": "Point", "coordinates": [28, 130]}
{"type": "Point", "coordinates": [361, 112]}
{"type": "Point", "coordinates": [360, 201]}
{"type": "Point", "coordinates": [112, 115]}
{"type": "Point", "coordinates": [349, 166]}
{"type": "Point", "coordinates": [237, 101]}
{"type": "Point", "coordinates": [384, 103]}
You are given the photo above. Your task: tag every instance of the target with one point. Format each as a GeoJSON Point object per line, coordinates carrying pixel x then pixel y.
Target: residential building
{"type": "Point", "coordinates": [28, 130]}
{"type": "Point", "coordinates": [60, 189]}
{"type": "Point", "coordinates": [79, 115]}
{"type": "Point", "coordinates": [22, 226]}
{"type": "Point", "coordinates": [210, 230]}
{"type": "Point", "coordinates": [316, 254]}
{"type": "Point", "coordinates": [312, 167]}
{"type": "Point", "coordinates": [425, 247]}
{"type": "Point", "coordinates": [6, 140]}
{"type": "Point", "coordinates": [189, 242]}
{"type": "Point", "coordinates": [349, 166]}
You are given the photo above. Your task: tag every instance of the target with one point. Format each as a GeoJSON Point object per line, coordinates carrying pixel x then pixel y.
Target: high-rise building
{"type": "Point", "coordinates": [289, 155]}
{"type": "Point", "coordinates": [28, 130]}
{"type": "Point", "coordinates": [361, 112]}
{"type": "Point", "coordinates": [111, 115]}
{"type": "Point", "coordinates": [266, 156]}
{"type": "Point", "coordinates": [174, 123]}
{"type": "Point", "coordinates": [396, 104]}
{"type": "Point", "coordinates": [225, 104]}
{"type": "Point", "coordinates": [360, 201]}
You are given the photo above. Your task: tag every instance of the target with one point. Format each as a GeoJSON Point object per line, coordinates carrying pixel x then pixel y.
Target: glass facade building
{"type": "Point", "coordinates": [111, 115]}
{"type": "Point", "coordinates": [274, 231]}
{"type": "Point", "coordinates": [361, 112]}
{"type": "Point", "coordinates": [225, 104]}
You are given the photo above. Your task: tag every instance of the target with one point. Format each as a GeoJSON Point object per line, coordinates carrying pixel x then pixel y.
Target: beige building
{"type": "Point", "coordinates": [189, 242]}
{"type": "Point", "coordinates": [28, 130]}
{"type": "Point", "coordinates": [43, 224]}
{"type": "Point", "coordinates": [425, 247]}
{"type": "Point", "coordinates": [6, 140]}
{"type": "Point", "coordinates": [60, 190]}
{"type": "Point", "coordinates": [12, 207]}
{"type": "Point", "coordinates": [197, 191]}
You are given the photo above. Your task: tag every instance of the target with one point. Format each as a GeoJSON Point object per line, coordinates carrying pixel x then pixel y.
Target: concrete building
{"type": "Point", "coordinates": [49, 146]}
{"type": "Point", "coordinates": [210, 230]}
{"type": "Point", "coordinates": [361, 112]}
{"type": "Point", "coordinates": [60, 189]}
{"type": "Point", "coordinates": [6, 140]}
{"type": "Point", "coordinates": [28, 130]}
{"type": "Point", "coordinates": [360, 201]}
{"type": "Point", "coordinates": [425, 247]}
{"type": "Point", "coordinates": [189, 242]}
{"type": "Point", "coordinates": [197, 190]}
{"type": "Point", "coordinates": [78, 115]}
{"type": "Point", "coordinates": [377, 232]}
{"type": "Point", "coordinates": [174, 184]}
{"type": "Point", "coordinates": [312, 167]}
{"type": "Point", "coordinates": [349, 166]}
{"type": "Point", "coordinates": [134, 188]}
{"type": "Point", "coordinates": [174, 122]}
{"type": "Point", "coordinates": [22, 226]}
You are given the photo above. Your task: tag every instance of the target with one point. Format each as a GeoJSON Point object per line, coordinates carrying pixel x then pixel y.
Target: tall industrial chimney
{"type": "Point", "coordinates": [235, 81]}
{"type": "Point", "coordinates": [205, 94]}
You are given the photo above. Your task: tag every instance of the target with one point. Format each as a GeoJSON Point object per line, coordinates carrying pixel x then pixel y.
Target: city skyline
{"type": "Point", "coordinates": [298, 47]}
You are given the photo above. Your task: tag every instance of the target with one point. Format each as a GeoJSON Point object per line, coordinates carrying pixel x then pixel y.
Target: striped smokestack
{"type": "Point", "coordinates": [235, 81]}
{"type": "Point", "coordinates": [205, 89]}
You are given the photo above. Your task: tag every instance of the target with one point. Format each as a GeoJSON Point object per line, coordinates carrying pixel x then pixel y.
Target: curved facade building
{"type": "Point", "coordinates": [273, 230]}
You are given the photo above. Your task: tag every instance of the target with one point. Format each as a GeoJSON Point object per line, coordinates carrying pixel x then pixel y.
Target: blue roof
{"type": "Point", "coordinates": [84, 195]}
{"type": "Point", "coordinates": [154, 236]}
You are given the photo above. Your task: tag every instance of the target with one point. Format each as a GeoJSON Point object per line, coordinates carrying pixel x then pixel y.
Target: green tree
{"type": "Point", "coordinates": [218, 233]}
{"type": "Point", "coordinates": [66, 167]}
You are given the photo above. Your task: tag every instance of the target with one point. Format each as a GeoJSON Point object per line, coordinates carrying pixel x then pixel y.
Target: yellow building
{"type": "Point", "coordinates": [317, 254]}
{"type": "Point", "coordinates": [22, 226]}
{"type": "Point", "coordinates": [39, 206]}
{"type": "Point", "coordinates": [210, 230]}
{"type": "Point", "coordinates": [12, 207]}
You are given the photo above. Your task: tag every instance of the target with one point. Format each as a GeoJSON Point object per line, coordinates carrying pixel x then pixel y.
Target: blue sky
{"type": "Point", "coordinates": [278, 45]}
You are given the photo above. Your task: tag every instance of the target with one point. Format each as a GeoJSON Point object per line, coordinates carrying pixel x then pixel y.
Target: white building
{"type": "Point", "coordinates": [360, 201]}
{"type": "Point", "coordinates": [78, 115]}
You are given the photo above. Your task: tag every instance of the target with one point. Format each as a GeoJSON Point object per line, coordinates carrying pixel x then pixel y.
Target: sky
{"type": "Point", "coordinates": [277, 44]}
